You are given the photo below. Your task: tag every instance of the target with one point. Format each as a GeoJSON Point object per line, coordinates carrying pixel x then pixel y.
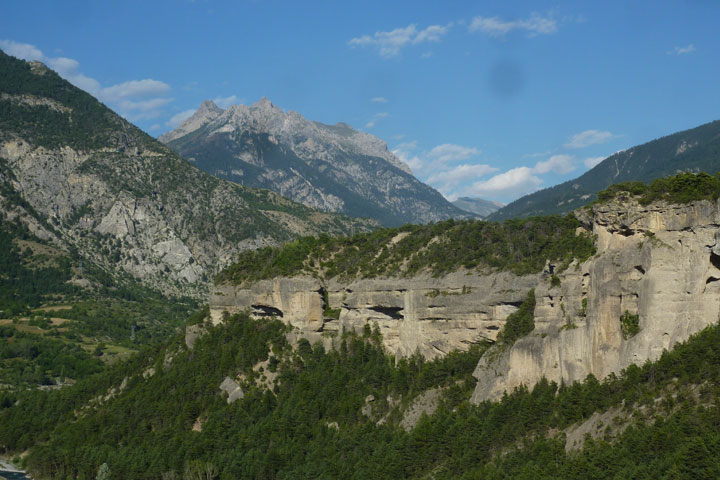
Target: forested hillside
{"type": "Point", "coordinates": [520, 246]}
{"type": "Point", "coordinates": [62, 317]}
{"type": "Point", "coordinates": [309, 423]}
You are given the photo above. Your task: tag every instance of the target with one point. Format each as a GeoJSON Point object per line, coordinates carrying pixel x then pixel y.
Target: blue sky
{"type": "Point", "coordinates": [490, 99]}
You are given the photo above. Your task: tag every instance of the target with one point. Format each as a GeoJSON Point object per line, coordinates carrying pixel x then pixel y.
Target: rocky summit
{"type": "Point", "coordinates": [332, 168]}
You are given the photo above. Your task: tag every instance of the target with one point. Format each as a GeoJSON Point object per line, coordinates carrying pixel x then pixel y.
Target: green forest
{"type": "Point", "coordinates": [679, 189]}
{"type": "Point", "coordinates": [520, 246]}
{"type": "Point", "coordinates": [310, 425]}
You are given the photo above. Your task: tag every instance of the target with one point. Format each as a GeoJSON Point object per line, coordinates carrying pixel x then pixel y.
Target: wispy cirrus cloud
{"type": "Point", "coordinates": [534, 25]}
{"type": "Point", "coordinates": [390, 43]}
{"type": "Point", "coordinates": [589, 137]}
{"type": "Point", "coordinates": [682, 50]}
{"type": "Point", "coordinates": [134, 99]}
{"type": "Point", "coordinates": [449, 152]}
{"type": "Point", "coordinates": [178, 118]}
{"type": "Point", "coordinates": [378, 116]}
{"type": "Point", "coordinates": [225, 102]}
{"type": "Point", "coordinates": [591, 162]}
{"type": "Point", "coordinates": [379, 100]}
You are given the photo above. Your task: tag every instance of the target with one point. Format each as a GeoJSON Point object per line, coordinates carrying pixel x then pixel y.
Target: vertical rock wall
{"type": "Point", "coordinates": [657, 262]}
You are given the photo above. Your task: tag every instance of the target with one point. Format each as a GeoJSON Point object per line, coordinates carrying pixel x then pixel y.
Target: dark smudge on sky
{"type": "Point", "coordinates": [506, 78]}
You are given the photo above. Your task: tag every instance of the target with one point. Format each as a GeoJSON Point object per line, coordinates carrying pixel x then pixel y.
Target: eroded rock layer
{"type": "Point", "coordinates": [431, 315]}
{"type": "Point", "coordinates": [657, 264]}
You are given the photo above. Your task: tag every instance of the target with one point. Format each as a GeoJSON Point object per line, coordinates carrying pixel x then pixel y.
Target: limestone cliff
{"type": "Point", "coordinates": [659, 262]}
{"type": "Point", "coordinates": [431, 315]}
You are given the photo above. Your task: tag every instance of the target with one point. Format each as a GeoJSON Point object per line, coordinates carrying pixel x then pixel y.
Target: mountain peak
{"type": "Point", "coordinates": [264, 102]}
{"type": "Point", "coordinates": [329, 167]}
{"type": "Point", "coordinates": [206, 113]}
{"type": "Point", "coordinates": [209, 106]}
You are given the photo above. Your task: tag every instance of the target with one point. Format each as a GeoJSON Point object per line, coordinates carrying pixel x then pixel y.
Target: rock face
{"type": "Point", "coordinates": [328, 167]}
{"type": "Point", "coordinates": [233, 390]}
{"type": "Point", "coordinates": [659, 262]}
{"type": "Point", "coordinates": [430, 315]}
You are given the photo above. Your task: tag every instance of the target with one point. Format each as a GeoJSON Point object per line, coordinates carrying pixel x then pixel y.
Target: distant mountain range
{"type": "Point", "coordinates": [693, 150]}
{"type": "Point", "coordinates": [81, 177]}
{"type": "Point", "coordinates": [478, 206]}
{"type": "Point", "coordinates": [332, 168]}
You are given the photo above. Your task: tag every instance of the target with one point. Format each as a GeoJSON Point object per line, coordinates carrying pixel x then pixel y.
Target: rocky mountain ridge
{"type": "Point", "coordinates": [329, 167]}
{"type": "Point", "coordinates": [656, 266]}
{"type": "Point", "coordinates": [77, 173]}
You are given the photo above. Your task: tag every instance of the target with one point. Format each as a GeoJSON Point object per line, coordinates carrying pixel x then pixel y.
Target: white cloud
{"type": "Point", "coordinates": [590, 162]}
{"type": "Point", "coordinates": [450, 178]}
{"type": "Point", "coordinates": [522, 180]}
{"type": "Point", "coordinates": [433, 33]}
{"type": "Point", "coordinates": [515, 182]}
{"type": "Point", "coordinates": [404, 152]}
{"type": "Point", "coordinates": [375, 118]}
{"type": "Point", "coordinates": [379, 100]}
{"type": "Point", "coordinates": [587, 138]}
{"type": "Point", "coordinates": [449, 152]}
{"type": "Point", "coordinates": [225, 102]}
{"type": "Point", "coordinates": [67, 68]}
{"type": "Point", "coordinates": [407, 145]}
{"type": "Point", "coordinates": [178, 118]}
{"type": "Point", "coordinates": [560, 164]}
{"type": "Point", "coordinates": [134, 89]}
{"type": "Point", "coordinates": [21, 50]}
{"type": "Point", "coordinates": [143, 105]}
{"type": "Point", "coordinates": [682, 50]}
{"type": "Point", "coordinates": [497, 27]}
{"type": "Point", "coordinates": [129, 98]}
{"type": "Point", "coordinates": [435, 165]}
{"type": "Point", "coordinates": [63, 64]}
{"type": "Point", "coordinates": [390, 43]}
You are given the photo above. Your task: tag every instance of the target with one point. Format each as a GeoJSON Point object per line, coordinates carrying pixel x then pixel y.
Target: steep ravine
{"type": "Point", "coordinates": [660, 262]}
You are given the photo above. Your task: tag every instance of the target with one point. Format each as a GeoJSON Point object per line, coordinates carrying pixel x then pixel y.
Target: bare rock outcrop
{"type": "Point", "coordinates": [430, 315]}
{"type": "Point", "coordinates": [233, 390]}
{"type": "Point", "coordinates": [656, 262]}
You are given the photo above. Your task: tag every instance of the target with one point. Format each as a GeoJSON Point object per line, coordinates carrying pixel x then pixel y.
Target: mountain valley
{"type": "Point", "coordinates": [177, 318]}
